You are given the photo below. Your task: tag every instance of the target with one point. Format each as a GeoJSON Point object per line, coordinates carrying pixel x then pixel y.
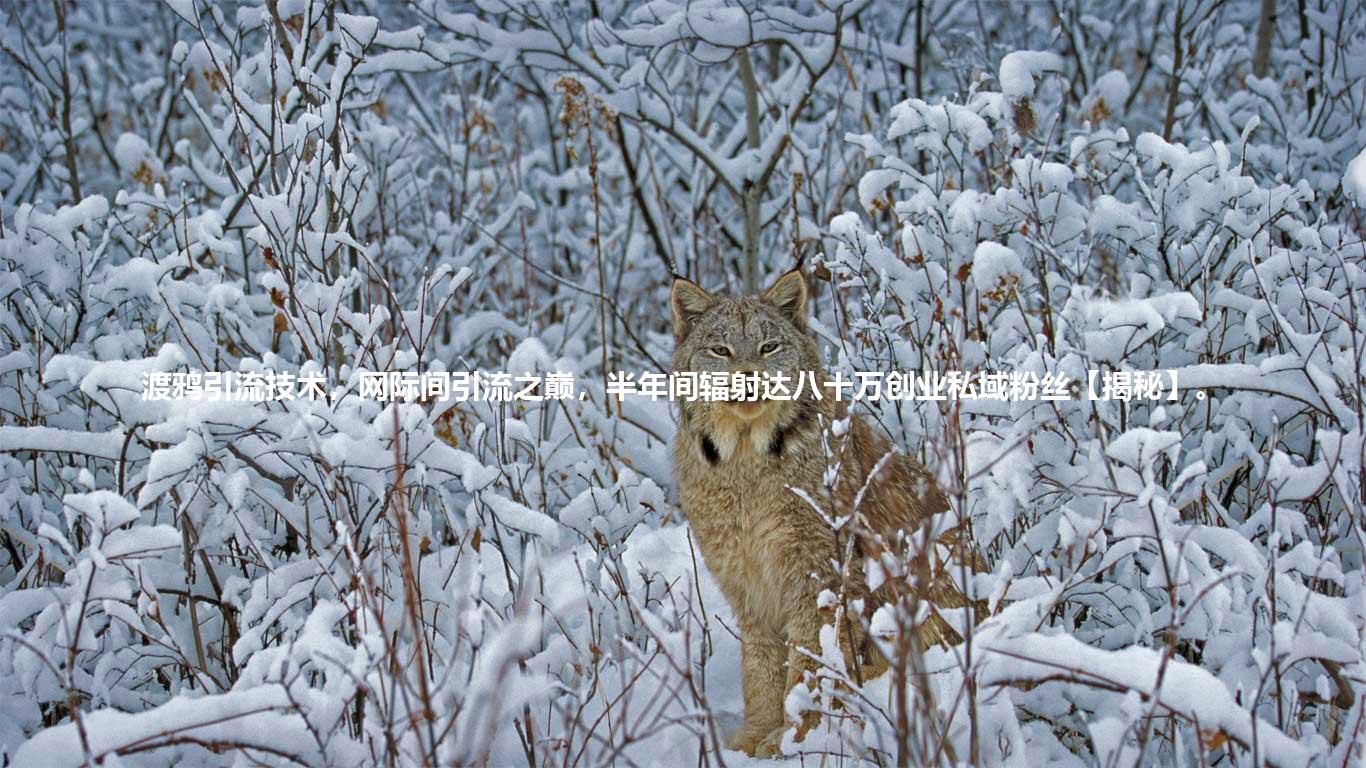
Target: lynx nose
{"type": "Point", "coordinates": [751, 390]}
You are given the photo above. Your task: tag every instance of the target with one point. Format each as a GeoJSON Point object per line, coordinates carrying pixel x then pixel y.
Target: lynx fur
{"type": "Point", "coordinates": [740, 467]}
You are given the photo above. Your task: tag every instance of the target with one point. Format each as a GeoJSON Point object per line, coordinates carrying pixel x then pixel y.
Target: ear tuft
{"type": "Point", "coordinates": [788, 293]}
{"type": "Point", "coordinates": [688, 301]}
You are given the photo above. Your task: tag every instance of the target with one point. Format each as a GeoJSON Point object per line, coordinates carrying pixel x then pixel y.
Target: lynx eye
{"type": "Point", "coordinates": [720, 351]}
{"type": "Point", "coordinates": [769, 348]}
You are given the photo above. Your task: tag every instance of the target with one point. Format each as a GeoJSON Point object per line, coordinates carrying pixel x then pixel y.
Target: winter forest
{"type": "Point", "coordinates": [314, 189]}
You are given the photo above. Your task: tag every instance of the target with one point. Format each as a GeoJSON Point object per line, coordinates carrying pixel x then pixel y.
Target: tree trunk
{"type": "Point", "coordinates": [749, 264]}
{"type": "Point", "coordinates": [1261, 57]}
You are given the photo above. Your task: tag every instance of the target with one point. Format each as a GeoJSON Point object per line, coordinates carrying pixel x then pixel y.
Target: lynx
{"type": "Point", "coordinates": [749, 472]}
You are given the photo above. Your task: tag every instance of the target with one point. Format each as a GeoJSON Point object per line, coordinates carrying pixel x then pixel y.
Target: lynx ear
{"type": "Point", "coordinates": [688, 301]}
{"type": "Point", "coordinates": [788, 294]}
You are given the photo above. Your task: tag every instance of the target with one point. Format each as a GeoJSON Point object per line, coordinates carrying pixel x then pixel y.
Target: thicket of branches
{"type": "Point", "coordinates": [320, 188]}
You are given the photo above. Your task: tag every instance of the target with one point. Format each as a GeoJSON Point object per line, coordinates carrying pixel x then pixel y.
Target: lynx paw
{"type": "Point", "coordinates": [746, 738]}
{"type": "Point", "coordinates": [766, 740]}
{"type": "Point", "coordinates": [758, 741]}
{"type": "Point", "coordinates": [772, 744]}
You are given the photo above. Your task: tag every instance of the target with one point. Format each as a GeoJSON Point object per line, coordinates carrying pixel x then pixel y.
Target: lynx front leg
{"type": "Point", "coordinates": [804, 633]}
{"type": "Point", "coordinates": [762, 658]}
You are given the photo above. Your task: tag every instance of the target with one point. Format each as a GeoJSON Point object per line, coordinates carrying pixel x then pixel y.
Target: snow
{"type": "Point", "coordinates": [1139, 447]}
{"type": "Point", "coordinates": [1107, 95]}
{"type": "Point", "coordinates": [1047, 177]}
{"type": "Point", "coordinates": [360, 29]}
{"type": "Point", "coordinates": [1119, 326]}
{"type": "Point", "coordinates": [1019, 70]}
{"type": "Point", "coordinates": [254, 717]}
{"type": "Point", "coordinates": [719, 26]}
{"type": "Point", "coordinates": [1186, 689]}
{"type": "Point", "coordinates": [105, 446]}
{"type": "Point", "coordinates": [1354, 180]}
{"type": "Point", "coordinates": [994, 265]}
{"type": "Point", "coordinates": [132, 152]}
{"type": "Point", "coordinates": [940, 125]}
{"type": "Point", "coordinates": [522, 518]}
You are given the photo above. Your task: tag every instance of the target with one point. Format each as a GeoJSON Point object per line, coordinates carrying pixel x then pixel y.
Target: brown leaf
{"type": "Point", "coordinates": [1214, 738]}
{"type": "Point", "coordinates": [1023, 115]}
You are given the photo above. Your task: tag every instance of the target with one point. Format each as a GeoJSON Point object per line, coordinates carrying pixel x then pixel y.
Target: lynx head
{"type": "Point", "coordinates": [764, 334]}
